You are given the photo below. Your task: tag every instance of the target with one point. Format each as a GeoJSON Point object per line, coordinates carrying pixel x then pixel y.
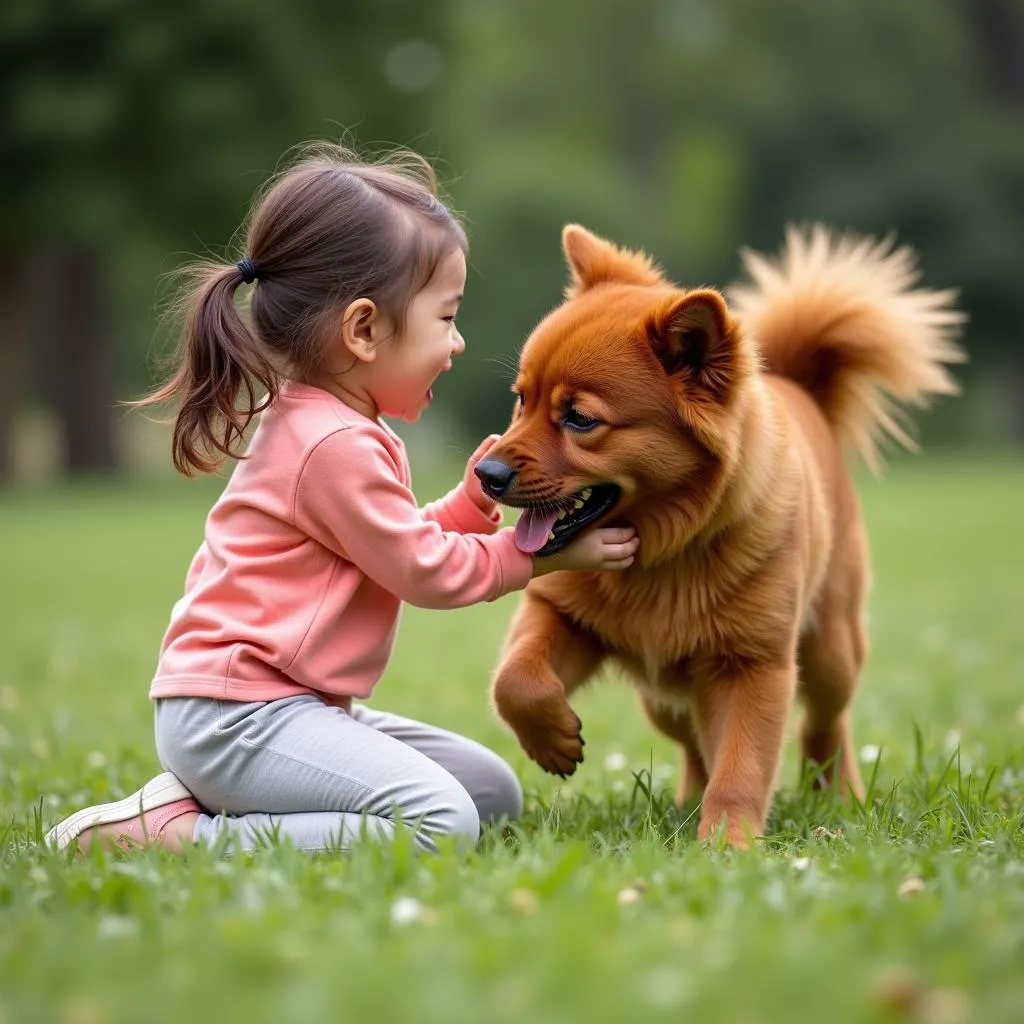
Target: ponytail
{"type": "Point", "coordinates": [218, 361]}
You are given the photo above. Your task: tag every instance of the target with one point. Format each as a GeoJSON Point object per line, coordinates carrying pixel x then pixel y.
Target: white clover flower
{"type": "Point", "coordinates": [869, 753]}
{"type": "Point", "coordinates": [408, 910]}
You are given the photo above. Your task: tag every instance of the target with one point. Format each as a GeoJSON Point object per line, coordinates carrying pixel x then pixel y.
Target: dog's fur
{"type": "Point", "coordinates": [723, 428]}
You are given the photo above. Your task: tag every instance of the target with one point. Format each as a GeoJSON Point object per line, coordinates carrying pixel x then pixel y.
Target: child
{"type": "Point", "coordinates": [291, 604]}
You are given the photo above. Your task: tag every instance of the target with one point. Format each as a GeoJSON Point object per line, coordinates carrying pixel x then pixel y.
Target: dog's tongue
{"type": "Point", "coordinates": [532, 529]}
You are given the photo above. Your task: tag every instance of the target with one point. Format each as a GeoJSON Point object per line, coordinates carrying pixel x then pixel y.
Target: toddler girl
{"type": "Point", "coordinates": [292, 601]}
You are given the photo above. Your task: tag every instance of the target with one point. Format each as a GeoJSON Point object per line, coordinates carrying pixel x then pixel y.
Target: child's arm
{"type": "Point", "coordinates": [350, 498]}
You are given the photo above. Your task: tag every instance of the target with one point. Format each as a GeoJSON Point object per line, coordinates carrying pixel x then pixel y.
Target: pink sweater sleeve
{"type": "Point", "coordinates": [457, 511]}
{"type": "Point", "coordinates": [350, 498]}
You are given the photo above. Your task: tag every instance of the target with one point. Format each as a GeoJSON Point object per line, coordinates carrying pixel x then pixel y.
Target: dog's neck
{"type": "Point", "coordinates": [755, 470]}
{"type": "Point", "coordinates": [739, 485]}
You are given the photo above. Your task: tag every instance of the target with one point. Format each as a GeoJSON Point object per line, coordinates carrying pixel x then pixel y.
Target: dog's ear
{"type": "Point", "coordinates": [594, 261]}
{"type": "Point", "coordinates": [695, 338]}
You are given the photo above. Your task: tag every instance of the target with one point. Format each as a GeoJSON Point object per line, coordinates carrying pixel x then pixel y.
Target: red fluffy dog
{"type": "Point", "coordinates": [716, 432]}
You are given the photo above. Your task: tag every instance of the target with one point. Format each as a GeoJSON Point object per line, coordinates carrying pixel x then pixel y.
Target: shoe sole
{"type": "Point", "coordinates": [161, 790]}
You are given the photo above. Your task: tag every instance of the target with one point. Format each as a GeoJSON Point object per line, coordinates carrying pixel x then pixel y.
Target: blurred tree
{"type": "Point", "coordinates": [891, 124]}
{"type": "Point", "coordinates": [124, 119]}
{"type": "Point", "coordinates": [693, 127]}
{"type": "Point", "coordinates": [687, 127]}
{"type": "Point", "coordinates": [11, 334]}
{"type": "Point", "coordinates": [997, 29]}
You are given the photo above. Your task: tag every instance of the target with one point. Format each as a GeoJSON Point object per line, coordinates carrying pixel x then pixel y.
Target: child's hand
{"type": "Point", "coordinates": [469, 479]}
{"type": "Point", "coordinates": [606, 547]}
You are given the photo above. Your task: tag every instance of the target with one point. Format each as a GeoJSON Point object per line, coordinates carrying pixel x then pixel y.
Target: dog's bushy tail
{"type": "Point", "coordinates": [841, 316]}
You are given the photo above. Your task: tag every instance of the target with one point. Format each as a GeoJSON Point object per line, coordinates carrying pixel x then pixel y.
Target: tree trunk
{"type": "Point", "coordinates": [76, 373]}
{"type": "Point", "coordinates": [12, 338]}
{"type": "Point", "coordinates": [998, 30]}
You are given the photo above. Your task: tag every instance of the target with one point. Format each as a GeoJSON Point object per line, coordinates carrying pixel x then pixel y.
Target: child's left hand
{"type": "Point", "coordinates": [469, 479]}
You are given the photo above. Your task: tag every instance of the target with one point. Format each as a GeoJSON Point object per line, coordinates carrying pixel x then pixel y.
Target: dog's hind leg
{"type": "Point", "coordinates": [831, 656]}
{"type": "Point", "coordinates": [677, 725]}
{"type": "Point", "coordinates": [545, 658]}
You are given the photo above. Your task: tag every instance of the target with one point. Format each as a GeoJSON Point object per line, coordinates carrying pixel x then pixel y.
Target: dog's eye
{"type": "Point", "coordinates": [576, 420]}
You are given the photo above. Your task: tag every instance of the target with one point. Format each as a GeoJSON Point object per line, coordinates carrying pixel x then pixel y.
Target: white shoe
{"type": "Point", "coordinates": [163, 791]}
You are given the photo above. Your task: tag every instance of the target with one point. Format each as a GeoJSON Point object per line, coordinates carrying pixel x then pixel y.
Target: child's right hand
{"type": "Point", "coordinates": [605, 547]}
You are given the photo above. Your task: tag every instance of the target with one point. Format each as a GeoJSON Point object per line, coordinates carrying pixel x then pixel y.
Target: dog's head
{"type": "Point", "coordinates": [625, 403]}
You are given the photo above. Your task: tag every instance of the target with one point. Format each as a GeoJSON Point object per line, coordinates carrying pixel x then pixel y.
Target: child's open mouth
{"type": "Point", "coordinates": [430, 390]}
{"type": "Point", "coordinates": [547, 529]}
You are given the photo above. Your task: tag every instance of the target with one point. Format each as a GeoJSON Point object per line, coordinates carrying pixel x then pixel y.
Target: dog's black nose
{"type": "Point", "coordinates": [495, 475]}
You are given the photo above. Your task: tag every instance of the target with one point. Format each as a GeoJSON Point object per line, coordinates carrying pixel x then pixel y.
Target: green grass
{"type": "Point", "coordinates": [534, 925]}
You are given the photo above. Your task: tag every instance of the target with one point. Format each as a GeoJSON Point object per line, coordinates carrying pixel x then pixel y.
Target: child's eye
{"type": "Point", "coordinates": [450, 319]}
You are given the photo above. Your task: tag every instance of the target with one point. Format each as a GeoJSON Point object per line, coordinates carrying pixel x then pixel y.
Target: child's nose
{"type": "Point", "coordinates": [458, 343]}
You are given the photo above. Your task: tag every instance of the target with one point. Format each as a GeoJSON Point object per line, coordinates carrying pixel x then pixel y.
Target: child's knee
{"type": "Point", "coordinates": [464, 819]}
{"type": "Point", "coordinates": [454, 814]}
{"type": "Point", "coordinates": [501, 797]}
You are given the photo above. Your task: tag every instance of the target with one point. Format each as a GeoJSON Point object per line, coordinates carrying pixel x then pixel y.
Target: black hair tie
{"type": "Point", "coordinates": [247, 269]}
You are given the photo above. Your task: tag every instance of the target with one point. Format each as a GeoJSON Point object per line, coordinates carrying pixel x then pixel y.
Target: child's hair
{"type": "Point", "coordinates": [329, 229]}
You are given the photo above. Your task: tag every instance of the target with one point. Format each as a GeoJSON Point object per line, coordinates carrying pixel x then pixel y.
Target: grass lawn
{"type": "Point", "coordinates": [600, 906]}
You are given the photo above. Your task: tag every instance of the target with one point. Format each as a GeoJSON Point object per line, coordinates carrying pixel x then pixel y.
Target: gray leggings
{"type": "Point", "coordinates": [305, 770]}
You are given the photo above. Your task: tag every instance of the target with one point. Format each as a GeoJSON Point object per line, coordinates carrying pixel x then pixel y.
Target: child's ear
{"type": "Point", "coordinates": [694, 337]}
{"type": "Point", "coordinates": [594, 261]}
{"type": "Point", "coordinates": [361, 325]}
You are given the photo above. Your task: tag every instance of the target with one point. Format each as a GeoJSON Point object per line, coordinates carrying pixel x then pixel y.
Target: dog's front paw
{"type": "Point", "coordinates": [557, 750]}
{"type": "Point", "coordinates": [546, 727]}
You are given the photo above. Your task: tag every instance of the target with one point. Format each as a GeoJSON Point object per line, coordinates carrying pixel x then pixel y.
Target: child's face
{"type": "Point", "coordinates": [408, 365]}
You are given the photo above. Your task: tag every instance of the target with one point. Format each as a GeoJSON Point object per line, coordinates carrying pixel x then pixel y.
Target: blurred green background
{"type": "Point", "coordinates": [134, 134]}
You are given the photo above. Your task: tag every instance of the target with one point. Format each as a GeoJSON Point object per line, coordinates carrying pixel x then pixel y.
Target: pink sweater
{"type": "Point", "coordinates": [309, 553]}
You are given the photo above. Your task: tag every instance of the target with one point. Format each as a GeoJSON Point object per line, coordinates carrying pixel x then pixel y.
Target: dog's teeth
{"type": "Point", "coordinates": [551, 536]}
{"type": "Point", "coordinates": [562, 513]}
{"type": "Point", "coordinates": [587, 492]}
{"type": "Point", "coordinates": [577, 503]}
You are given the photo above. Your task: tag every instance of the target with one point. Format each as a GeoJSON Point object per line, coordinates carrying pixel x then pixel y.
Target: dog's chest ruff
{"type": "Point", "coordinates": [651, 620]}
